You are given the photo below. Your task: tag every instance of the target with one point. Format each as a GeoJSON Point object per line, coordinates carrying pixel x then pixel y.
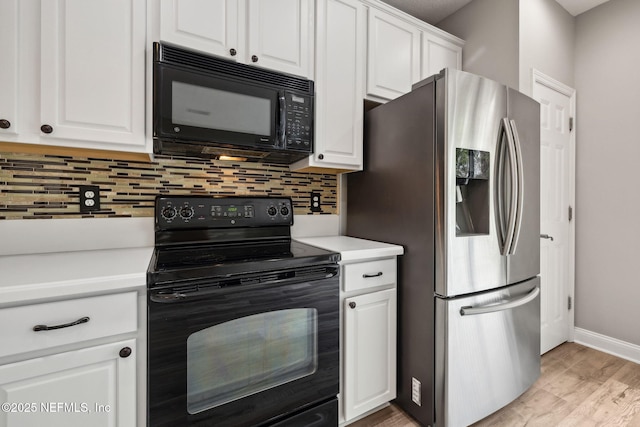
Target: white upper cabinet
{"type": "Point", "coordinates": [403, 50]}
{"type": "Point", "coordinates": [275, 34]}
{"type": "Point", "coordinates": [9, 41]}
{"type": "Point", "coordinates": [280, 35]}
{"type": "Point", "coordinates": [393, 62]}
{"type": "Point", "coordinates": [439, 53]}
{"type": "Point", "coordinates": [206, 25]}
{"type": "Point", "coordinates": [78, 77]}
{"type": "Point", "coordinates": [93, 70]}
{"type": "Point", "coordinates": [340, 56]}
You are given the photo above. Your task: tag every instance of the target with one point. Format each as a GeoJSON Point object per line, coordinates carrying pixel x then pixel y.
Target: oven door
{"type": "Point", "coordinates": [243, 354]}
{"type": "Point", "coordinates": [190, 106]}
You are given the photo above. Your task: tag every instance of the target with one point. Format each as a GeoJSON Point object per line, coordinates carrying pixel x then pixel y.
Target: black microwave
{"type": "Point", "coordinates": [209, 107]}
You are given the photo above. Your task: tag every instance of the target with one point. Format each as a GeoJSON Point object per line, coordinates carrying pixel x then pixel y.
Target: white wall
{"type": "Point", "coordinates": [490, 31]}
{"type": "Point", "coordinates": [547, 42]}
{"type": "Point", "coordinates": [607, 79]}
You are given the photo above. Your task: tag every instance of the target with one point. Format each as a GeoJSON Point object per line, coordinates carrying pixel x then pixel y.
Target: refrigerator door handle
{"type": "Point", "coordinates": [519, 188]}
{"type": "Point", "coordinates": [513, 206]}
{"type": "Point", "coordinates": [469, 311]}
{"type": "Point", "coordinates": [510, 229]}
{"type": "Point", "coordinates": [499, 184]}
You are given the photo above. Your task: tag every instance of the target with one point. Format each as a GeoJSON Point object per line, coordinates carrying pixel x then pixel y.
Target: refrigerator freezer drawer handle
{"type": "Point", "coordinates": [469, 311]}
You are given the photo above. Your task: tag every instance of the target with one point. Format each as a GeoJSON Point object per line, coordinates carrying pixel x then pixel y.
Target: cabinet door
{"type": "Point", "coordinates": [207, 25]}
{"type": "Point", "coordinates": [87, 387]}
{"type": "Point", "coordinates": [370, 351]}
{"type": "Point", "coordinates": [9, 70]}
{"type": "Point", "coordinates": [339, 86]}
{"type": "Point", "coordinates": [393, 61]}
{"type": "Point", "coordinates": [437, 54]}
{"type": "Point", "coordinates": [280, 35]}
{"type": "Point", "coordinates": [93, 73]}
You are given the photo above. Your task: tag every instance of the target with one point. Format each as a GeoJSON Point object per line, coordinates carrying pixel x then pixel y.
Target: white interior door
{"type": "Point", "coordinates": [557, 193]}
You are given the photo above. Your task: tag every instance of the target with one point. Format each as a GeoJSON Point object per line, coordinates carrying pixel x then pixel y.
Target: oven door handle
{"type": "Point", "coordinates": [302, 276]}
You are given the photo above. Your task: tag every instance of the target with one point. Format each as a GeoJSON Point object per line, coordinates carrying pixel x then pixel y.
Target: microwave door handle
{"type": "Point", "coordinates": [282, 121]}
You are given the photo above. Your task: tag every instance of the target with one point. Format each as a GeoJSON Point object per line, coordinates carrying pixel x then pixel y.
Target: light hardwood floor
{"type": "Point", "coordinates": [578, 387]}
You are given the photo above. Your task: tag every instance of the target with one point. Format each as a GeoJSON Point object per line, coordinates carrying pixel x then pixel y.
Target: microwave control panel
{"type": "Point", "coordinates": [299, 121]}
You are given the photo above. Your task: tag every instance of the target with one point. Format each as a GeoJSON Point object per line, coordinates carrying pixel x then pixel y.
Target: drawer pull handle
{"type": "Point", "coordinates": [39, 328]}
{"type": "Point", "coordinates": [368, 276]}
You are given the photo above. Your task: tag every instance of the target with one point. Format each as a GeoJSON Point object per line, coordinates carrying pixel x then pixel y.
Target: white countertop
{"type": "Point", "coordinates": [352, 248]}
{"type": "Point", "coordinates": [33, 278]}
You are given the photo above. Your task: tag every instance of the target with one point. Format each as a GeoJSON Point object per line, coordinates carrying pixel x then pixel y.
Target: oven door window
{"type": "Point", "coordinates": [248, 355]}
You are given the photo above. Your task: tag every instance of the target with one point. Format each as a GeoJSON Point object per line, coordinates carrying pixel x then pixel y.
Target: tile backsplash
{"type": "Point", "coordinates": [47, 186]}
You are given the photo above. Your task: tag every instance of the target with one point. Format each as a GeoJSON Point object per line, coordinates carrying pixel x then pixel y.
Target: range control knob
{"type": "Point", "coordinates": [284, 211]}
{"type": "Point", "coordinates": [169, 212]}
{"type": "Point", "coordinates": [272, 211]}
{"type": "Point", "coordinates": [186, 212]}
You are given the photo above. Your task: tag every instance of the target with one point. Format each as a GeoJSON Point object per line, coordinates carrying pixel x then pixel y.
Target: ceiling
{"type": "Point", "coordinates": [434, 11]}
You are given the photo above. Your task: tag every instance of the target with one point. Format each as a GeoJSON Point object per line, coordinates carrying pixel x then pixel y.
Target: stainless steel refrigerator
{"type": "Point", "coordinates": [452, 174]}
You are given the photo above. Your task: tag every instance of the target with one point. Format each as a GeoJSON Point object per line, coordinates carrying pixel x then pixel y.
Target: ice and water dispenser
{"type": "Point", "coordinates": [472, 192]}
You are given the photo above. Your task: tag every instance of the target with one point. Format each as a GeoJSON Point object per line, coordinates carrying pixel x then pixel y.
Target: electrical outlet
{"type": "Point", "coordinates": [89, 198]}
{"type": "Point", "coordinates": [415, 392]}
{"type": "Point", "coordinates": [315, 202]}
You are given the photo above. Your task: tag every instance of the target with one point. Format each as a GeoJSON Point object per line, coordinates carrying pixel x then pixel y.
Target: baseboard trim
{"type": "Point", "coordinates": [607, 344]}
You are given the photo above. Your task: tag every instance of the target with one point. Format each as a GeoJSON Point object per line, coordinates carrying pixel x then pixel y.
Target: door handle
{"type": "Point", "coordinates": [80, 321]}
{"type": "Point", "coordinates": [546, 236]}
{"type": "Point", "coordinates": [467, 311]}
{"type": "Point", "coordinates": [519, 187]}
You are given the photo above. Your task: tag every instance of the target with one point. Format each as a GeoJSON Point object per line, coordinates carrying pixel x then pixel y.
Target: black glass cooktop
{"type": "Point", "coordinates": [172, 264]}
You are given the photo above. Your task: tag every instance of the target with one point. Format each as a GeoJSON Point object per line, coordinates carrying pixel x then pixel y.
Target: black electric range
{"type": "Point", "coordinates": [243, 321]}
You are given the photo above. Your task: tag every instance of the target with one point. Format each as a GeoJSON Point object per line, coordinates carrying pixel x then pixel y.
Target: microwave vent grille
{"type": "Point", "coordinates": [172, 55]}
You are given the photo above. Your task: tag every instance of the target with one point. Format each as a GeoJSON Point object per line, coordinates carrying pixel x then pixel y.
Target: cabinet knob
{"type": "Point", "coordinates": [320, 156]}
{"type": "Point", "coordinates": [46, 128]}
{"type": "Point", "coordinates": [125, 352]}
{"type": "Point", "coordinates": [5, 124]}
{"type": "Point", "coordinates": [233, 52]}
{"type": "Point", "coordinates": [254, 58]}
{"type": "Point", "coordinates": [352, 304]}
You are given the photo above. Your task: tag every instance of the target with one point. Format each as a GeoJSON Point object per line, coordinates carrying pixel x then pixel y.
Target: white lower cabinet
{"type": "Point", "coordinates": [368, 319]}
{"type": "Point", "coordinates": [71, 363]}
{"type": "Point", "coordinates": [369, 351]}
{"type": "Point", "coordinates": [94, 386]}
{"type": "Point", "coordinates": [369, 312]}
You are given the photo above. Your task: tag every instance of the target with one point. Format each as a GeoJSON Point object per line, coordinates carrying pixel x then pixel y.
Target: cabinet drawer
{"type": "Point", "coordinates": [369, 274]}
{"type": "Point", "coordinates": [108, 315]}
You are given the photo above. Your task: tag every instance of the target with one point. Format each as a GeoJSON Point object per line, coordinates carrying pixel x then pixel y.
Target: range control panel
{"type": "Point", "coordinates": [180, 212]}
